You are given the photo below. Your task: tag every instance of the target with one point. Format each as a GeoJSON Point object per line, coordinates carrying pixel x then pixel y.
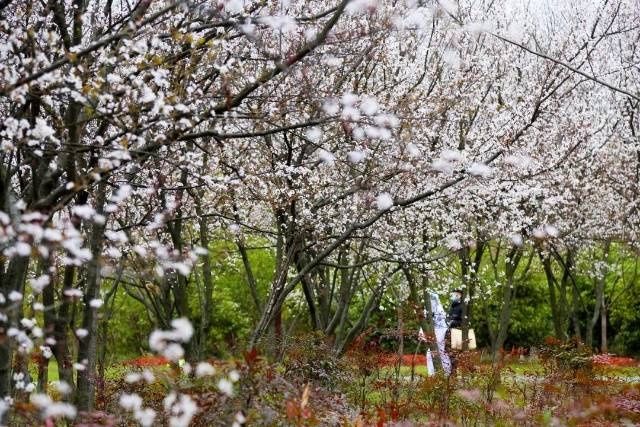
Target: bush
{"type": "Point", "coordinates": [310, 358]}
{"type": "Point", "coordinates": [570, 357]}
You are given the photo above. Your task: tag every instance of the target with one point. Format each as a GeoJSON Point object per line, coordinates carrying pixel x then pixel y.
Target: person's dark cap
{"type": "Point", "coordinates": [458, 291]}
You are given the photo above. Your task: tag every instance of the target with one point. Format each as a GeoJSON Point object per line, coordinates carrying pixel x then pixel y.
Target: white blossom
{"type": "Point", "coordinates": [204, 369]}
{"type": "Point", "coordinates": [60, 410]}
{"type": "Point", "coordinates": [331, 107]}
{"type": "Point", "coordinates": [443, 166]}
{"type": "Point", "coordinates": [23, 249]}
{"type": "Point", "coordinates": [130, 402]}
{"type": "Point", "coordinates": [173, 352]}
{"type": "Point", "coordinates": [313, 134]}
{"type": "Point", "coordinates": [356, 156]}
{"type": "Point", "coordinates": [480, 170]}
{"type": "Point", "coordinates": [39, 283]}
{"type": "Point", "coordinates": [15, 296]}
{"type": "Point", "coordinates": [384, 201]}
{"type": "Point", "coordinates": [326, 157]}
{"type": "Point", "coordinates": [181, 409]}
{"type": "Point", "coordinates": [183, 329]}
{"type": "Point", "coordinates": [516, 239]}
{"type": "Point", "coordinates": [225, 386]}
{"type": "Point", "coordinates": [551, 230]}
{"type": "Point", "coordinates": [239, 419]}
{"type": "Point", "coordinates": [369, 106]}
{"type": "Point", "coordinates": [451, 156]}
{"type": "Point", "coordinates": [132, 377]}
{"type": "Point", "coordinates": [233, 6]}
{"type": "Point", "coordinates": [145, 416]}
{"type": "Point", "coordinates": [63, 387]}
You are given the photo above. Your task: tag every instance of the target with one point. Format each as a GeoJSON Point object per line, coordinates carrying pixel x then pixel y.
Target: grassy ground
{"type": "Point", "coordinates": [517, 392]}
{"type": "Point", "coordinates": [538, 393]}
{"type": "Point", "coordinates": [527, 367]}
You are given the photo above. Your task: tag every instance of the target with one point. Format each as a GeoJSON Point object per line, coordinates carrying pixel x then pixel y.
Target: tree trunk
{"type": "Point", "coordinates": [603, 329]}
{"type": "Point", "coordinates": [599, 303]}
{"type": "Point", "coordinates": [513, 259]}
{"type": "Point", "coordinates": [307, 290]}
{"type": "Point", "coordinates": [574, 313]}
{"type": "Point", "coordinates": [87, 346]}
{"type": "Point", "coordinates": [13, 280]}
{"type": "Point", "coordinates": [348, 278]}
{"type": "Point", "coordinates": [347, 337]}
{"type": "Point", "coordinates": [55, 322]}
{"type": "Point", "coordinates": [572, 310]}
{"type": "Point", "coordinates": [469, 270]}
{"type": "Point", "coordinates": [556, 311]}
{"type": "Point", "coordinates": [326, 284]}
{"type": "Point", "coordinates": [43, 374]}
{"type": "Point", "coordinates": [278, 283]}
{"type": "Point", "coordinates": [248, 270]}
{"type": "Point", "coordinates": [277, 332]}
{"type": "Point", "coordinates": [396, 390]}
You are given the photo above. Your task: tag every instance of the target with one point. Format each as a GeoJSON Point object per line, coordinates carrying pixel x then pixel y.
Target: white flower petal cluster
{"type": "Point", "coordinates": [167, 343]}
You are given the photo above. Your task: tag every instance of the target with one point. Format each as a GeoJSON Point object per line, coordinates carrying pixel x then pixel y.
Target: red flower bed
{"type": "Point", "coordinates": [611, 360]}
{"type": "Point", "coordinates": [407, 360]}
{"type": "Point", "coordinates": [145, 361]}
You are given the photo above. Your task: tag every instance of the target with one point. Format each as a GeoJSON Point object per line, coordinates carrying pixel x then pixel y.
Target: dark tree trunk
{"type": "Point", "coordinates": [248, 271]}
{"type": "Point", "coordinates": [207, 279]}
{"type": "Point", "coordinates": [56, 321]}
{"type": "Point", "coordinates": [347, 337]}
{"type": "Point", "coordinates": [12, 280]}
{"type": "Point", "coordinates": [307, 289]}
{"type": "Point", "coordinates": [469, 270]}
{"type": "Point", "coordinates": [557, 312]}
{"type": "Point", "coordinates": [278, 283]}
{"type": "Point", "coordinates": [603, 328]}
{"type": "Point", "coordinates": [508, 289]}
{"type": "Point", "coordinates": [566, 281]}
{"type": "Point", "coordinates": [599, 301]}
{"type": "Point", "coordinates": [87, 346]}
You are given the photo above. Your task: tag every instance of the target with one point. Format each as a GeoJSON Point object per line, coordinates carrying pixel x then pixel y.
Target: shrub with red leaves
{"type": "Point", "coordinates": [146, 361]}
{"type": "Point", "coordinates": [390, 359]}
{"type": "Point", "coordinates": [613, 360]}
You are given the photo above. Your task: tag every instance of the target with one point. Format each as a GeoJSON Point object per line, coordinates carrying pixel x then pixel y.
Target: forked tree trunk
{"type": "Point", "coordinates": [557, 311]}
{"type": "Point", "coordinates": [513, 259]}
{"type": "Point", "coordinates": [87, 347]}
{"type": "Point", "coordinates": [599, 303]}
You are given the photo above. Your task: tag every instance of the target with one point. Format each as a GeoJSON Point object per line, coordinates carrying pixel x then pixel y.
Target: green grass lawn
{"type": "Point", "coordinates": [529, 367]}
{"type": "Point", "coordinates": [53, 371]}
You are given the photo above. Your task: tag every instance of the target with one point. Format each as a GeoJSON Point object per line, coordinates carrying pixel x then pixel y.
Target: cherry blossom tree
{"type": "Point", "coordinates": [359, 139]}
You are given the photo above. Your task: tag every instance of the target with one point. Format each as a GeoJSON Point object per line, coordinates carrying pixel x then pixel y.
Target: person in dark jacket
{"type": "Point", "coordinates": [454, 320]}
{"type": "Point", "coordinates": [454, 317]}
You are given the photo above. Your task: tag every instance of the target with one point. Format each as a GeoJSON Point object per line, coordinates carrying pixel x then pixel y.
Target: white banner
{"type": "Point", "coordinates": [440, 329]}
{"type": "Point", "coordinates": [430, 369]}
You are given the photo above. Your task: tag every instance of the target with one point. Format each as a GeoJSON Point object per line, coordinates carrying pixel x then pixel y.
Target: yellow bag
{"type": "Point", "coordinates": [456, 339]}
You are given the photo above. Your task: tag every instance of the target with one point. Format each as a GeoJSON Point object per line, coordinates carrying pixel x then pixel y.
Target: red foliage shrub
{"type": "Point", "coordinates": [146, 361]}
{"type": "Point", "coordinates": [612, 360]}
{"type": "Point", "coordinates": [407, 359]}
